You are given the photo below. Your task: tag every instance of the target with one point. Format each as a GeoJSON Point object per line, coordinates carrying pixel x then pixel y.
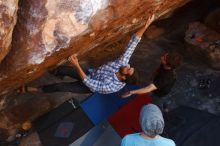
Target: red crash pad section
{"type": "Point", "coordinates": [126, 120]}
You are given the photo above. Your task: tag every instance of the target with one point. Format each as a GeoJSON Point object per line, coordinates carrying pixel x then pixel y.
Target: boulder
{"type": "Point", "coordinates": [8, 18]}
{"type": "Point", "coordinates": [48, 31]}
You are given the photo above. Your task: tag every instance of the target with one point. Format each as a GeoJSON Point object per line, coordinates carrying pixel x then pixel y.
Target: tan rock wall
{"type": "Point", "coordinates": [8, 17]}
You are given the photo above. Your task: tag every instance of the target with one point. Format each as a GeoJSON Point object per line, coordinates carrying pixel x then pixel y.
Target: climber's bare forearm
{"type": "Point", "coordinates": [146, 89]}
{"type": "Point", "coordinates": [141, 31]}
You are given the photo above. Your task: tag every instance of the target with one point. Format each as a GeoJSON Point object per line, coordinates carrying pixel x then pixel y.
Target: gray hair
{"type": "Point", "coordinates": [151, 120]}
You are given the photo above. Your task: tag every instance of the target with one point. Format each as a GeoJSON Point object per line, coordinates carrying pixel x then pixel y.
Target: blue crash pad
{"type": "Point", "coordinates": [100, 106]}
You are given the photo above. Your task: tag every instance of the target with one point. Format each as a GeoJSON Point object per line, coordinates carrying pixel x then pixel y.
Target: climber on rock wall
{"type": "Point", "coordinates": [111, 77]}
{"type": "Point", "coordinates": [108, 78]}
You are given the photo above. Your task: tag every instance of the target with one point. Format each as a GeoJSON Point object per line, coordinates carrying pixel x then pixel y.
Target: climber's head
{"type": "Point", "coordinates": [129, 74]}
{"type": "Point", "coordinates": [126, 71]}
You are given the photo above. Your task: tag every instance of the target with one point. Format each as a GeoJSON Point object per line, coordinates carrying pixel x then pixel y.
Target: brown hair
{"type": "Point", "coordinates": [173, 59]}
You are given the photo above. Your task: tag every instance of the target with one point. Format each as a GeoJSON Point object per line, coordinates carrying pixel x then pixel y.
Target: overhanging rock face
{"type": "Point", "coordinates": [8, 17]}
{"type": "Point", "coordinates": [49, 31]}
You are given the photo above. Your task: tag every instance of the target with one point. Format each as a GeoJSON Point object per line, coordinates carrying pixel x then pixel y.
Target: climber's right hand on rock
{"type": "Point", "coordinates": [149, 20]}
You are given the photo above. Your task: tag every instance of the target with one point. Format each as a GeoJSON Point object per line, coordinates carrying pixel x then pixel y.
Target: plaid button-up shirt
{"type": "Point", "coordinates": [104, 79]}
